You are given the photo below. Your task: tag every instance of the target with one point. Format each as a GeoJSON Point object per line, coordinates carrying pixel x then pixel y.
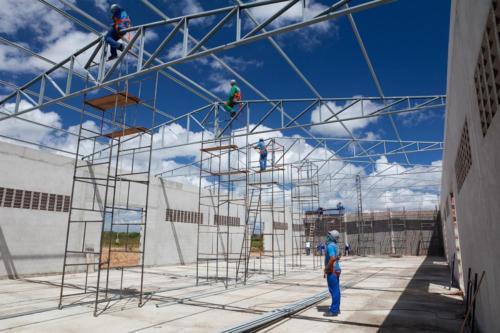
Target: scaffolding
{"type": "Point", "coordinates": [333, 219]}
{"type": "Point", "coordinates": [108, 214]}
{"type": "Point", "coordinates": [398, 232]}
{"type": "Point", "coordinates": [366, 237]}
{"type": "Point", "coordinates": [266, 193]}
{"type": "Point", "coordinates": [222, 199]}
{"type": "Point", "coordinates": [305, 211]}
{"type": "Point", "coordinates": [427, 231]}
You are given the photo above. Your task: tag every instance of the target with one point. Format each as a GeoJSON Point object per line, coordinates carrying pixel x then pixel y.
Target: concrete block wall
{"type": "Point", "coordinates": [476, 230]}
{"type": "Point", "coordinates": [415, 241]}
{"type": "Point", "coordinates": [32, 241]}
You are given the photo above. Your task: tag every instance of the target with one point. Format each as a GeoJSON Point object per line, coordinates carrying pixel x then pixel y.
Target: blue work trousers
{"type": "Point", "coordinates": [263, 161]}
{"type": "Point", "coordinates": [112, 38]}
{"type": "Point", "coordinates": [334, 288]}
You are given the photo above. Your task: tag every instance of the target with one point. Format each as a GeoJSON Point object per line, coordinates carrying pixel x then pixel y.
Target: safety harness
{"type": "Point", "coordinates": [125, 21]}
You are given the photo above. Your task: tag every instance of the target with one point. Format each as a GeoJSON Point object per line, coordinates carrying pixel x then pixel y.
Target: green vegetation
{"type": "Point", "coordinates": [120, 239]}
{"type": "Point", "coordinates": [257, 243]}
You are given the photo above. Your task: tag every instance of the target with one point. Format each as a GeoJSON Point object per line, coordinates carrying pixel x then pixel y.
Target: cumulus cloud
{"type": "Point", "coordinates": [292, 15]}
{"type": "Point", "coordinates": [323, 112]}
{"type": "Point", "coordinates": [49, 34]}
{"type": "Point", "coordinates": [102, 5]}
{"type": "Point", "coordinates": [44, 24]}
{"type": "Point", "coordinates": [309, 37]}
{"type": "Point", "coordinates": [186, 7]}
{"type": "Point", "coordinates": [387, 185]}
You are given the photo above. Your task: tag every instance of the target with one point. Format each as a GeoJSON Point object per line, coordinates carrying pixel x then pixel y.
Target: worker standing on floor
{"type": "Point", "coordinates": [332, 271]}
{"type": "Point", "coordinates": [233, 98]}
{"type": "Point", "coordinates": [120, 21]}
{"type": "Point", "coordinates": [261, 146]}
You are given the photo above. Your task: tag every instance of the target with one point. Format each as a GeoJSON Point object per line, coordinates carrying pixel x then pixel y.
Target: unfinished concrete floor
{"type": "Point", "coordinates": [381, 294]}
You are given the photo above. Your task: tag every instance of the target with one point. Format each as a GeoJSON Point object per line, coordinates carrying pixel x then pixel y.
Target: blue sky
{"type": "Point", "coordinates": [407, 41]}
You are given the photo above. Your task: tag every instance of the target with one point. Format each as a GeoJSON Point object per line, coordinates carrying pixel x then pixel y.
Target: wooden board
{"type": "Point", "coordinates": [225, 173]}
{"type": "Point", "coordinates": [108, 102]}
{"type": "Point", "coordinates": [269, 170]}
{"type": "Point", "coordinates": [126, 131]}
{"type": "Point", "coordinates": [219, 148]}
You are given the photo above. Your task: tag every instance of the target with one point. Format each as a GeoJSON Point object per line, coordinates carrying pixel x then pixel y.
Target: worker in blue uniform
{"type": "Point", "coordinates": [332, 271]}
{"type": "Point", "coordinates": [120, 21]}
{"type": "Point", "coordinates": [261, 146]}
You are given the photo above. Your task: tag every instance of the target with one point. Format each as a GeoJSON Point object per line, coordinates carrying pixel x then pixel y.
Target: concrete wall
{"type": "Point", "coordinates": [33, 241]}
{"type": "Point", "coordinates": [477, 228]}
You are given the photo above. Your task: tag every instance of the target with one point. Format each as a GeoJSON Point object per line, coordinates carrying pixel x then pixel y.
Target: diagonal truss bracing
{"type": "Point", "coordinates": [100, 76]}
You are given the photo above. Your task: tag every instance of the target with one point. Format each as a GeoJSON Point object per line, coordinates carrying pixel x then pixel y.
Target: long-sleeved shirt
{"type": "Point", "coordinates": [234, 92]}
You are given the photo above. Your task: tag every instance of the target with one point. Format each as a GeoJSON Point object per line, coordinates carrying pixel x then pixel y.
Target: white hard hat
{"type": "Point", "coordinates": [334, 234]}
{"type": "Point", "coordinates": [114, 7]}
{"type": "Point", "coordinates": [232, 81]}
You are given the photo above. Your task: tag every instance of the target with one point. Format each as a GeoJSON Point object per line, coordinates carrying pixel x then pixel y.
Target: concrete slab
{"type": "Point", "coordinates": [384, 293]}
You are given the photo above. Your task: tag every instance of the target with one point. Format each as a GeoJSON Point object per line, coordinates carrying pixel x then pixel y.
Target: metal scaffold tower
{"type": "Point", "coordinates": [334, 219]}
{"type": "Point", "coordinates": [106, 231]}
{"type": "Point", "coordinates": [266, 203]}
{"type": "Point", "coordinates": [222, 199]}
{"type": "Point", "coordinates": [366, 237]}
{"type": "Point", "coordinates": [305, 210]}
{"type": "Point", "coordinates": [398, 232]}
{"type": "Point", "coordinates": [427, 230]}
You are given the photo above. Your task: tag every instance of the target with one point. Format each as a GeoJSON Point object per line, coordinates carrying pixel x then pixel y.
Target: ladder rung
{"type": "Point", "coordinates": [82, 252]}
{"type": "Point", "coordinates": [92, 164]}
{"type": "Point", "coordinates": [86, 221]}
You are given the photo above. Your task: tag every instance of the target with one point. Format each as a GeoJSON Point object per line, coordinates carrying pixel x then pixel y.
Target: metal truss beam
{"type": "Point", "coordinates": [372, 72]}
{"type": "Point", "coordinates": [294, 67]}
{"type": "Point", "coordinates": [101, 80]}
{"type": "Point", "coordinates": [222, 63]}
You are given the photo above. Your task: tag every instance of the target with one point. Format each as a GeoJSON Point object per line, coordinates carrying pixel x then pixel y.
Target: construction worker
{"type": "Point", "coordinates": [347, 249]}
{"type": "Point", "coordinates": [261, 146]}
{"type": "Point", "coordinates": [233, 98]}
{"type": "Point", "coordinates": [332, 271]}
{"type": "Point", "coordinates": [340, 207]}
{"type": "Point", "coordinates": [120, 21]}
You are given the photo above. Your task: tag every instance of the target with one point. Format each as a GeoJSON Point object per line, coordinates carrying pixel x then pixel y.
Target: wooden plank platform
{"type": "Point", "coordinates": [219, 148]}
{"type": "Point", "coordinates": [126, 131]}
{"type": "Point", "coordinates": [108, 102]}
{"type": "Point", "coordinates": [226, 173]}
{"type": "Point", "coordinates": [263, 183]}
{"type": "Point", "coordinates": [269, 170]}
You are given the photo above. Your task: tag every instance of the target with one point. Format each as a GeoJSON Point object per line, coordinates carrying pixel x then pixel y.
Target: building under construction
{"type": "Point", "coordinates": [136, 195]}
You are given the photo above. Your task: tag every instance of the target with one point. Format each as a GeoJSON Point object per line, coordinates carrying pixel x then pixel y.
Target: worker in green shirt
{"type": "Point", "coordinates": [233, 98]}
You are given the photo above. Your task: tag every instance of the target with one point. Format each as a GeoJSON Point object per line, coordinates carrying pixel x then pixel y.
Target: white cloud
{"type": "Point", "coordinates": [412, 119]}
{"type": "Point", "coordinates": [238, 63]}
{"type": "Point", "coordinates": [387, 185]}
{"type": "Point", "coordinates": [321, 113]}
{"type": "Point", "coordinates": [309, 37]}
{"type": "Point", "coordinates": [292, 15]}
{"type": "Point", "coordinates": [32, 17]}
{"type": "Point", "coordinates": [150, 36]}
{"type": "Point", "coordinates": [186, 7]}
{"type": "Point", "coordinates": [102, 5]}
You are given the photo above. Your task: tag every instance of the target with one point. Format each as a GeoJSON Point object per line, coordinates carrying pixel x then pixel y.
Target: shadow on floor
{"type": "Point", "coordinates": [6, 258]}
{"type": "Point", "coordinates": [419, 309]}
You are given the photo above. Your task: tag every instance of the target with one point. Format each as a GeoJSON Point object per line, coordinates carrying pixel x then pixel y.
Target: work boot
{"type": "Point", "coordinates": [330, 314]}
{"type": "Point", "coordinates": [112, 57]}
{"type": "Point", "coordinates": [121, 47]}
{"type": "Point", "coordinates": [233, 114]}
